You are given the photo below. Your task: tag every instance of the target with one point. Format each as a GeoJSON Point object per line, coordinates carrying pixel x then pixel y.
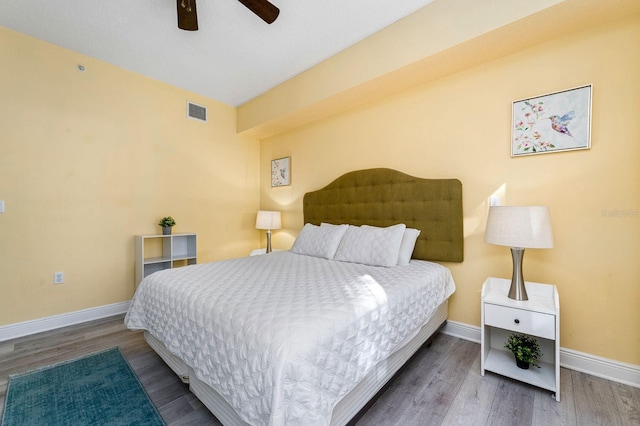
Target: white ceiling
{"type": "Point", "coordinates": [232, 58]}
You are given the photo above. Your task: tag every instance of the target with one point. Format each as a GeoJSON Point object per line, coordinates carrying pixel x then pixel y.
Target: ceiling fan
{"type": "Point", "coordinates": [188, 18]}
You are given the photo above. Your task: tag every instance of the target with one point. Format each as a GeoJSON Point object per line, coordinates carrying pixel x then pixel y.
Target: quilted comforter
{"type": "Point", "coordinates": [283, 337]}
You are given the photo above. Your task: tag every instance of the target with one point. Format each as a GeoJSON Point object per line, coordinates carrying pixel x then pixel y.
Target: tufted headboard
{"type": "Point", "coordinates": [385, 197]}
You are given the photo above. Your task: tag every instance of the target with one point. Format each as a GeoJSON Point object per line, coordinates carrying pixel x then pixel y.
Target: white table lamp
{"type": "Point", "coordinates": [519, 227]}
{"type": "Point", "coordinates": [268, 220]}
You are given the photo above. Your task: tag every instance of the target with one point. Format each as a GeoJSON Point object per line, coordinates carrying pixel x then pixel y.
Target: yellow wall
{"type": "Point", "coordinates": [90, 159]}
{"type": "Point", "coordinates": [459, 126]}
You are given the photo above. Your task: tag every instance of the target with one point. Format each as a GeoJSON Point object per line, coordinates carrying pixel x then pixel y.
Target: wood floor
{"type": "Point", "coordinates": [440, 386]}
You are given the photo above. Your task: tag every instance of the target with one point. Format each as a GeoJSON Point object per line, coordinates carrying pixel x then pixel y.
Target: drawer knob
{"type": "Point", "coordinates": [517, 321]}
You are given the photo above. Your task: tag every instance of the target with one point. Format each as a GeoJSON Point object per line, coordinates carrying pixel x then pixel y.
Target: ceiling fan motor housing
{"type": "Point", "coordinates": [187, 15]}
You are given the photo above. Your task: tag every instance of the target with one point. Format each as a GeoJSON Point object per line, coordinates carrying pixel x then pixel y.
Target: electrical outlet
{"type": "Point", "coordinates": [494, 200]}
{"type": "Point", "coordinates": [58, 277]}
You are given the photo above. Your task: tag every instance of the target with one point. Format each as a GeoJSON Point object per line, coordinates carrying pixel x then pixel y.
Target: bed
{"type": "Point", "coordinates": [309, 336]}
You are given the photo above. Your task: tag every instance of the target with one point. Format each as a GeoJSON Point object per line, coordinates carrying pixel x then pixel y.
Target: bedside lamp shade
{"type": "Point", "coordinates": [519, 227]}
{"type": "Point", "coordinates": [268, 220]}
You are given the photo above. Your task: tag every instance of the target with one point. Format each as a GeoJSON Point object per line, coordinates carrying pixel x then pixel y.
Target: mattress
{"type": "Point", "coordinates": [283, 337]}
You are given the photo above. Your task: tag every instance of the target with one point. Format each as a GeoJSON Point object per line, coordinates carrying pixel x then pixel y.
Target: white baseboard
{"type": "Point", "coordinates": [615, 371]}
{"type": "Point", "coordinates": [462, 330]}
{"type": "Point", "coordinates": [26, 328]}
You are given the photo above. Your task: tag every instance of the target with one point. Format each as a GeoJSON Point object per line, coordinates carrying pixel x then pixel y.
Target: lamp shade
{"type": "Point", "coordinates": [268, 220]}
{"type": "Point", "coordinates": [519, 226]}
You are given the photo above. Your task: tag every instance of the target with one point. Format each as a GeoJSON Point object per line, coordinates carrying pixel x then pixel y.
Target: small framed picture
{"type": "Point", "coordinates": [281, 172]}
{"type": "Point", "coordinates": [559, 121]}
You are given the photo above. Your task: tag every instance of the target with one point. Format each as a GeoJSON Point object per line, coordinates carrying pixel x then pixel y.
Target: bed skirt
{"type": "Point", "coordinates": [346, 408]}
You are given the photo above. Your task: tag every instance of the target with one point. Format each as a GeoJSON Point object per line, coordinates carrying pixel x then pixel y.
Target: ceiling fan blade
{"type": "Point", "coordinates": [265, 10]}
{"type": "Point", "coordinates": [187, 15]}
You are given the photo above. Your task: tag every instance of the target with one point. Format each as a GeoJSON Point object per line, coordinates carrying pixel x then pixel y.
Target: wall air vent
{"type": "Point", "coordinates": [197, 112]}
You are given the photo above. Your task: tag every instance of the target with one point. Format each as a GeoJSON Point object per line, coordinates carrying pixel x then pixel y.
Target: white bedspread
{"type": "Point", "coordinates": [283, 337]}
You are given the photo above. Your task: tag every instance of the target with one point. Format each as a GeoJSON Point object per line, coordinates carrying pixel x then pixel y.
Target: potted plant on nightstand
{"type": "Point", "coordinates": [166, 223]}
{"type": "Point", "coordinates": [526, 350]}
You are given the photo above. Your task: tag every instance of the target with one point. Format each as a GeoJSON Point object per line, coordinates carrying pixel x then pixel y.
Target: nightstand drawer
{"type": "Point", "coordinates": [520, 320]}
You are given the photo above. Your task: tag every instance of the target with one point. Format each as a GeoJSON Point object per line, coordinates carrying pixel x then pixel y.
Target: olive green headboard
{"type": "Point", "coordinates": [385, 197]}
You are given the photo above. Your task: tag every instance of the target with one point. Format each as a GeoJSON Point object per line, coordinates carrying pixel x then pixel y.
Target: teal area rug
{"type": "Point", "coordinates": [97, 389]}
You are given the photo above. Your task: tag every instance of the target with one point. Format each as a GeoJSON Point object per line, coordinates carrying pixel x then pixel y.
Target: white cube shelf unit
{"type": "Point", "coordinates": [157, 252]}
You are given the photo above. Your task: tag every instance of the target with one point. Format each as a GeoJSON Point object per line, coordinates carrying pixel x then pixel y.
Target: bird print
{"type": "Point", "coordinates": [559, 124]}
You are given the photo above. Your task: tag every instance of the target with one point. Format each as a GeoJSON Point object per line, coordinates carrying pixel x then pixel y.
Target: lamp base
{"type": "Point", "coordinates": [269, 241]}
{"type": "Point", "coordinates": [517, 291]}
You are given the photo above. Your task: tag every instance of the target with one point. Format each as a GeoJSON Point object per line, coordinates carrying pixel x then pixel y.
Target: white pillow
{"type": "Point", "coordinates": [408, 243]}
{"type": "Point", "coordinates": [406, 246]}
{"type": "Point", "coordinates": [323, 224]}
{"type": "Point", "coordinates": [371, 245]}
{"type": "Point", "coordinates": [319, 241]}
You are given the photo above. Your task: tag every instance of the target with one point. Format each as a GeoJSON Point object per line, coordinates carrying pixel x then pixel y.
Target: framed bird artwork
{"type": "Point", "coordinates": [281, 172]}
{"type": "Point", "coordinates": [559, 121]}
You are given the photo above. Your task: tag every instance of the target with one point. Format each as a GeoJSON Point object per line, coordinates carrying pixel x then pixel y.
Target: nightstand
{"type": "Point", "coordinates": [539, 316]}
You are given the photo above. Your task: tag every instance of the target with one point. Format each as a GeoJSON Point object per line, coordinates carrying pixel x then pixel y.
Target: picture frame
{"type": "Point", "coordinates": [554, 122]}
{"type": "Point", "coordinates": [281, 172]}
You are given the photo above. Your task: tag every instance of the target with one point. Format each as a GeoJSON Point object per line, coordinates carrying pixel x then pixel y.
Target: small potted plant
{"type": "Point", "coordinates": [526, 350]}
{"type": "Point", "coordinates": [166, 223]}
